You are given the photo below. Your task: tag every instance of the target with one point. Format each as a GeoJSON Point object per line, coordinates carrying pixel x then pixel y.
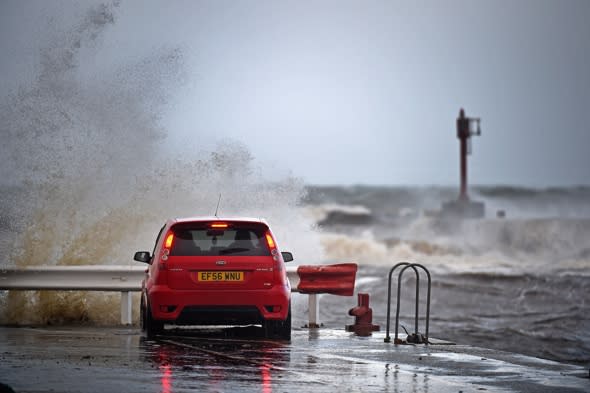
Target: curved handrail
{"type": "Point", "coordinates": [407, 265]}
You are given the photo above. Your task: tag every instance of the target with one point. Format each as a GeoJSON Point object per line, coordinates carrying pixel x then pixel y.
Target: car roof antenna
{"type": "Point", "coordinates": [217, 208]}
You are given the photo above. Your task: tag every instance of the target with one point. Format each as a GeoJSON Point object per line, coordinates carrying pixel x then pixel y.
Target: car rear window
{"type": "Point", "coordinates": [205, 241]}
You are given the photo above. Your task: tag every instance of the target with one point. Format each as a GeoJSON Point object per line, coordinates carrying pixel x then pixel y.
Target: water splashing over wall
{"type": "Point", "coordinates": [91, 182]}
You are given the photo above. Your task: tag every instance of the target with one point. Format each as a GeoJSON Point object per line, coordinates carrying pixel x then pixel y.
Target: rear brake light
{"type": "Point", "coordinates": [272, 246]}
{"type": "Point", "coordinates": [270, 241]}
{"type": "Point", "coordinates": [169, 240]}
{"type": "Point", "coordinates": [166, 251]}
{"type": "Point", "coordinates": [219, 225]}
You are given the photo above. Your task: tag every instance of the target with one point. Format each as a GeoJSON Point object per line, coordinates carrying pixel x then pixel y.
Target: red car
{"type": "Point", "coordinates": [213, 271]}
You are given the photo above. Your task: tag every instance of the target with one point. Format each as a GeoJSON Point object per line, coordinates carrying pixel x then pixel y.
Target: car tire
{"type": "Point", "coordinates": [142, 314]}
{"type": "Point", "coordinates": [149, 326]}
{"type": "Point", "coordinates": [279, 329]}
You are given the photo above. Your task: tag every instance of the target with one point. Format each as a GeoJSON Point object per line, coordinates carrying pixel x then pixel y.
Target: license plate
{"type": "Point", "coordinates": [220, 276]}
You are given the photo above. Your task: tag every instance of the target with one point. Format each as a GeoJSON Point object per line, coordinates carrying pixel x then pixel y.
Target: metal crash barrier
{"type": "Point", "coordinates": [333, 279]}
{"type": "Point", "coordinates": [316, 279]}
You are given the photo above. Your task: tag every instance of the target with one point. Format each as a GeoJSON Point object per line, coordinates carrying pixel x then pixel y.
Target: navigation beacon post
{"type": "Point", "coordinates": [463, 207]}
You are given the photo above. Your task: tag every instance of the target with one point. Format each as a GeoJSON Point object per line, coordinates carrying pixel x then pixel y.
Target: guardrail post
{"type": "Point", "coordinates": [313, 310]}
{"type": "Point", "coordinates": [126, 308]}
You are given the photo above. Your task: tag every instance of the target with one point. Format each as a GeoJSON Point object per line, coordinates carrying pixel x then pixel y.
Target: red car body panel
{"type": "Point", "coordinates": [239, 289]}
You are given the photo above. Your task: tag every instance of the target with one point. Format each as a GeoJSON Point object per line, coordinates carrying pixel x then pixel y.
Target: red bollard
{"type": "Point", "coordinates": [363, 321]}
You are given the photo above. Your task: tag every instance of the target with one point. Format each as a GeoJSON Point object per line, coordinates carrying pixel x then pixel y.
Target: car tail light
{"type": "Point", "coordinates": [219, 225]}
{"type": "Point", "coordinates": [169, 240]}
{"type": "Point", "coordinates": [272, 246]}
{"type": "Point", "coordinates": [162, 276]}
{"type": "Point", "coordinates": [271, 243]}
{"type": "Point", "coordinates": [166, 250]}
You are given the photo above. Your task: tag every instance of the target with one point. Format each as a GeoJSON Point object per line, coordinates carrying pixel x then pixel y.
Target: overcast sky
{"type": "Point", "coordinates": [340, 92]}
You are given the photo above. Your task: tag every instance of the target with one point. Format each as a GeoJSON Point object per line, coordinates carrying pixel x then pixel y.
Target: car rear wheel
{"type": "Point", "coordinates": [149, 326]}
{"type": "Point", "coordinates": [278, 329]}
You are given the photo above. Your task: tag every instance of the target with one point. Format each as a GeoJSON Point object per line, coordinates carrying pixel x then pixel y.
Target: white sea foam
{"type": "Point", "coordinates": [502, 247]}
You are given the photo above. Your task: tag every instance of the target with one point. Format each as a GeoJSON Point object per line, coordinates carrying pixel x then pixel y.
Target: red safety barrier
{"type": "Point", "coordinates": [333, 279]}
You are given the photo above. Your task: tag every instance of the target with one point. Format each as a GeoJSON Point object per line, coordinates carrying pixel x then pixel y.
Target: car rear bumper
{"type": "Point", "coordinates": [199, 307]}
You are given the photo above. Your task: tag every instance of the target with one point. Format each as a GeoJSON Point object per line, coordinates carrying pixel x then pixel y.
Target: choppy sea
{"type": "Point", "coordinates": [518, 283]}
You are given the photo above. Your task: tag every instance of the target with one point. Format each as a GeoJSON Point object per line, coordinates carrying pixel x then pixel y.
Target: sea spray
{"type": "Point", "coordinates": [93, 179]}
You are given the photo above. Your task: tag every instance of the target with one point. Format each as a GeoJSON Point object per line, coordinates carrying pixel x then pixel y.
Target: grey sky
{"type": "Point", "coordinates": [359, 92]}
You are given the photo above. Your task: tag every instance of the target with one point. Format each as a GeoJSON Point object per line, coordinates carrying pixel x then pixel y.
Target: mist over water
{"type": "Point", "coordinates": [539, 233]}
{"type": "Point", "coordinates": [87, 179]}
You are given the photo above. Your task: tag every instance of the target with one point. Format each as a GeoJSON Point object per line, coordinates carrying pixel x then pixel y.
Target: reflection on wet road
{"type": "Point", "coordinates": [98, 360]}
{"type": "Point", "coordinates": [240, 362]}
{"type": "Point", "coordinates": [91, 359]}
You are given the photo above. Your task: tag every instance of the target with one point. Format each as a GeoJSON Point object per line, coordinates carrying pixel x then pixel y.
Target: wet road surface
{"type": "Point", "coordinates": [91, 359]}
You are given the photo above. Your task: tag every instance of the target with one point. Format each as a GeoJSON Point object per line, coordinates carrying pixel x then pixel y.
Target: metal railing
{"type": "Point", "coordinates": [115, 278]}
{"type": "Point", "coordinates": [416, 337]}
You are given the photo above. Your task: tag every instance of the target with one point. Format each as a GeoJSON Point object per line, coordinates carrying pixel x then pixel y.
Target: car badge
{"type": "Point", "coordinates": [220, 262]}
